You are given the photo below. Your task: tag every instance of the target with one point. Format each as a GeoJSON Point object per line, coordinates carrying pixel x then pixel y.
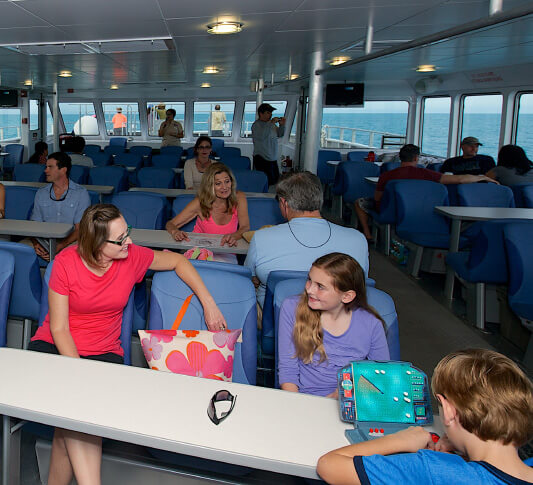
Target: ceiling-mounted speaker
{"type": "Point", "coordinates": [428, 85]}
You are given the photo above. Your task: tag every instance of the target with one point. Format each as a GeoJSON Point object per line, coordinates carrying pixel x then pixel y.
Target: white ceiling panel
{"type": "Point", "coordinates": [368, 4]}
{"type": "Point", "coordinates": [110, 30]}
{"type": "Point", "coordinates": [11, 15]}
{"type": "Point", "coordinates": [31, 34]}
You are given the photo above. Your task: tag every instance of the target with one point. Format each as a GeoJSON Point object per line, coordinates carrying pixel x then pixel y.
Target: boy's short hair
{"type": "Point", "coordinates": [409, 152]}
{"type": "Point", "coordinates": [492, 396]}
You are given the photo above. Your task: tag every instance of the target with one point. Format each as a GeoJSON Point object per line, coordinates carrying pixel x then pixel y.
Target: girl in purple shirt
{"type": "Point", "coordinates": [326, 327]}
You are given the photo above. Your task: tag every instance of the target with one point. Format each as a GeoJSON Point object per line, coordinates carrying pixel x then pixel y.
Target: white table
{"type": "Point", "coordinates": [163, 240]}
{"type": "Point", "coordinates": [47, 230]}
{"type": "Point", "coordinates": [269, 429]}
{"type": "Point", "coordinates": [459, 214]}
{"type": "Point", "coordinates": [172, 193]}
{"type": "Point", "coordinates": [372, 180]}
{"type": "Point", "coordinates": [100, 189]}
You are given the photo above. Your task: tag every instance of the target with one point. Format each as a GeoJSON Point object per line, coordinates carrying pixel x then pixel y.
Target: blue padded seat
{"type": "Point", "coordinates": [29, 172]}
{"type": "Point", "coordinates": [79, 174]}
{"type": "Point", "coordinates": [19, 201]}
{"type": "Point", "coordinates": [114, 150]}
{"type": "Point", "coordinates": [453, 197]}
{"type": "Point", "coordinates": [7, 273]}
{"type": "Point", "coordinates": [324, 171]}
{"type": "Point", "coordinates": [141, 210]}
{"type": "Point", "coordinates": [111, 175]}
{"type": "Point", "coordinates": [172, 151]}
{"type": "Point", "coordinates": [485, 195]}
{"type": "Point", "coordinates": [435, 166]}
{"type": "Point", "coordinates": [388, 166]}
{"type": "Point", "coordinates": [166, 161]}
{"type": "Point", "coordinates": [163, 178]}
{"type": "Point", "coordinates": [118, 141]}
{"type": "Point", "coordinates": [217, 145]}
{"type": "Point", "coordinates": [101, 159]}
{"type": "Point", "coordinates": [350, 180]}
{"type": "Point", "coordinates": [16, 153]}
{"type": "Point", "coordinates": [251, 180]}
{"type": "Point", "coordinates": [236, 163]}
{"type": "Point", "coordinates": [144, 151]}
{"type": "Point", "coordinates": [179, 204]}
{"type": "Point", "coordinates": [94, 196]}
{"type": "Point", "coordinates": [356, 156]}
{"type": "Point", "coordinates": [91, 150]}
{"type": "Point", "coordinates": [263, 211]}
{"type": "Point", "coordinates": [527, 194]}
{"type": "Point", "coordinates": [129, 160]}
{"type": "Point", "coordinates": [232, 268]}
{"type": "Point", "coordinates": [229, 152]}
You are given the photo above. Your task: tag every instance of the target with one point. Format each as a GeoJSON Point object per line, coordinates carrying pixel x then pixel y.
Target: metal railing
{"type": "Point", "coordinates": [9, 129]}
{"type": "Point", "coordinates": [376, 139]}
{"type": "Point", "coordinates": [227, 128]}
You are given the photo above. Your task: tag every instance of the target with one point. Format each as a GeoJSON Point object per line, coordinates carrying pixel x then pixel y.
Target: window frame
{"type": "Point", "coordinates": [17, 138]}
{"type": "Point", "coordinates": [166, 102]}
{"type": "Point", "coordinates": [516, 114]}
{"type": "Point", "coordinates": [422, 119]}
{"type": "Point", "coordinates": [268, 101]}
{"type": "Point", "coordinates": [116, 103]}
{"type": "Point", "coordinates": [62, 120]}
{"type": "Point", "coordinates": [207, 101]}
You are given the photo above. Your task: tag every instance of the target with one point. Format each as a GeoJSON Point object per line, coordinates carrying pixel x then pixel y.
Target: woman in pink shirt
{"type": "Point", "coordinates": [88, 289]}
{"type": "Point", "coordinates": [218, 208]}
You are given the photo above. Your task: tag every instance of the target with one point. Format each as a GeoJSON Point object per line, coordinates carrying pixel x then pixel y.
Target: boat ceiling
{"type": "Point", "coordinates": [151, 43]}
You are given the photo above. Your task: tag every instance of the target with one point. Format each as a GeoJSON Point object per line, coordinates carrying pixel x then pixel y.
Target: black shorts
{"type": "Point", "coordinates": [48, 348]}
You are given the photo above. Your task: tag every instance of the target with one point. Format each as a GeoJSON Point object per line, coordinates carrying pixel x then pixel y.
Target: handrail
{"type": "Point", "coordinates": [326, 136]}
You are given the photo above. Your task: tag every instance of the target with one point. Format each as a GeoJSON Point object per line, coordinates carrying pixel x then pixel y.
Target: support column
{"type": "Point", "coordinates": [55, 114]}
{"type": "Point", "coordinates": [495, 6]}
{"type": "Point", "coordinates": [314, 120]}
{"type": "Point", "coordinates": [259, 97]}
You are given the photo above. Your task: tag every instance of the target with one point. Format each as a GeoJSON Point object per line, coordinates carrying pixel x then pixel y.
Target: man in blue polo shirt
{"type": "Point", "coordinates": [61, 200]}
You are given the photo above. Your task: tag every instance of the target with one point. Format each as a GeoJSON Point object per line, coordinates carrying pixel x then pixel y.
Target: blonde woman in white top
{"type": "Point", "coordinates": [195, 167]}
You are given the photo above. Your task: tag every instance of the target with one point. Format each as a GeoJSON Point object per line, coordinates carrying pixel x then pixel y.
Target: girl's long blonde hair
{"type": "Point", "coordinates": [206, 192]}
{"type": "Point", "coordinates": [347, 275]}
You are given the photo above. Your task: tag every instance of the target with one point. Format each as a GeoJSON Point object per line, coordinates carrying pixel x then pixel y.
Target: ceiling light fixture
{"type": "Point", "coordinates": [65, 74]}
{"type": "Point", "coordinates": [28, 82]}
{"type": "Point", "coordinates": [113, 86]}
{"type": "Point", "coordinates": [339, 60]}
{"type": "Point", "coordinates": [205, 85]}
{"type": "Point", "coordinates": [211, 70]}
{"type": "Point", "coordinates": [292, 77]}
{"type": "Point", "coordinates": [426, 68]}
{"type": "Point", "coordinates": [224, 27]}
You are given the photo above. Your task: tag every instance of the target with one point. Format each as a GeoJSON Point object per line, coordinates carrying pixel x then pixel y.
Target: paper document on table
{"type": "Point", "coordinates": [201, 241]}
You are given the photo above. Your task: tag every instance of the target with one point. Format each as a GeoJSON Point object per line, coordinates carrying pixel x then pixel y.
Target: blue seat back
{"type": "Point", "coordinates": [172, 151]}
{"type": "Point", "coordinates": [379, 300]}
{"type": "Point", "coordinates": [166, 161]}
{"type": "Point", "coordinates": [79, 174]}
{"type": "Point", "coordinates": [518, 239]}
{"type": "Point", "coordinates": [350, 180]}
{"type": "Point", "coordinates": [29, 172]}
{"type": "Point", "coordinates": [263, 211]}
{"type": "Point", "coordinates": [453, 196]}
{"type": "Point", "coordinates": [94, 196]}
{"type": "Point", "coordinates": [388, 166]}
{"type": "Point", "coordinates": [485, 195]}
{"type": "Point", "coordinates": [19, 202]}
{"type": "Point", "coordinates": [111, 175]}
{"type": "Point", "coordinates": [217, 145]}
{"type": "Point", "coordinates": [236, 163]}
{"type": "Point", "coordinates": [251, 180]}
{"type": "Point", "coordinates": [179, 204]}
{"type": "Point", "coordinates": [163, 178]}
{"type": "Point", "coordinates": [114, 149]}
{"type": "Point", "coordinates": [229, 152]}
{"type": "Point", "coordinates": [127, 315]}
{"type": "Point", "coordinates": [527, 196]}
{"type": "Point", "coordinates": [324, 171]}
{"type": "Point", "coordinates": [435, 166]}
{"type": "Point", "coordinates": [118, 141]}
{"type": "Point", "coordinates": [387, 206]}
{"type": "Point", "coordinates": [129, 160]}
{"type": "Point", "coordinates": [7, 273]}
{"type": "Point", "coordinates": [26, 290]}
{"type": "Point", "coordinates": [233, 293]}
{"type": "Point", "coordinates": [356, 156]}
{"type": "Point", "coordinates": [101, 159]}
{"type": "Point", "coordinates": [232, 268]}
{"type": "Point", "coordinates": [16, 152]}
{"type": "Point", "coordinates": [144, 151]}
{"type": "Point", "coordinates": [141, 210]}
{"type": "Point", "coordinates": [91, 150]}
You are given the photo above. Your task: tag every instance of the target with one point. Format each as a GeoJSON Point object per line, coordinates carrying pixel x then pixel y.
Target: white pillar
{"type": "Point", "coordinates": [259, 97]}
{"type": "Point", "coordinates": [314, 116]}
{"type": "Point", "coordinates": [55, 114]}
{"type": "Point", "coordinates": [495, 6]}
{"type": "Point", "coordinates": [369, 39]}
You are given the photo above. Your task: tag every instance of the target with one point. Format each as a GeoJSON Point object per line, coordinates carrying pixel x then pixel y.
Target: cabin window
{"type": "Point", "coordinates": [34, 114]}
{"type": "Point", "coordinates": [436, 126]}
{"type": "Point", "coordinates": [524, 123]}
{"type": "Point", "coordinates": [379, 124]}
{"type": "Point", "coordinates": [208, 120]}
{"type": "Point", "coordinates": [250, 115]}
{"type": "Point", "coordinates": [49, 121]}
{"type": "Point", "coordinates": [122, 119]}
{"type": "Point", "coordinates": [79, 118]}
{"type": "Point", "coordinates": [10, 119]}
{"type": "Point", "coordinates": [482, 119]}
{"type": "Point", "coordinates": [156, 114]}
{"type": "Point", "coordinates": [292, 136]}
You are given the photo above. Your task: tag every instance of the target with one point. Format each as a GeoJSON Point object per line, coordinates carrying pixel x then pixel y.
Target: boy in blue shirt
{"type": "Point", "coordinates": [486, 407]}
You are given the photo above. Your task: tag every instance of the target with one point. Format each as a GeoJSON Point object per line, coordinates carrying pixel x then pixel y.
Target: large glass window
{"type": "Point", "coordinates": [10, 120]}
{"type": "Point", "coordinates": [156, 113]}
{"type": "Point", "coordinates": [34, 114]}
{"type": "Point", "coordinates": [524, 131]}
{"type": "Point", "coordinates": [79, 118]}
{"type": "Point", "coordinates": [122, 119]}
{"type": "Point", "coordinates": [379, 124]}
{"type": "Point", "coordinates": [436, 126]}
{"type": "Point", "coordinates": [482, 119]}
{"type": "Point", "coordinates": [214, 118]}
{"type": "Point", "coordinates": [250, 115]}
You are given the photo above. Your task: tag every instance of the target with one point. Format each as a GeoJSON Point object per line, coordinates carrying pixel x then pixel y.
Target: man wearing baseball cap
{"type": "Point", "coordinates": [265, 134]}
{"type": "Point", "coordinates": [470, 162]}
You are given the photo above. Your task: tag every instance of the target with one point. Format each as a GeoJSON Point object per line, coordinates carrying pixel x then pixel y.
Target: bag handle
{"type": "Point", "coordinates": [181, 313]}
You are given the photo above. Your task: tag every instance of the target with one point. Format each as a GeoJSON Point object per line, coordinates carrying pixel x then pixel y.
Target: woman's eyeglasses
{"type": "Point", "coordinates": [220, 396]}
{"type": "Point", "coordinates": [122, 240]}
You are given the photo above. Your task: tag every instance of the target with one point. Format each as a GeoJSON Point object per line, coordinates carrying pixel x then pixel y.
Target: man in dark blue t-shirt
{"type": "Point", "coordinates": [470, 162]}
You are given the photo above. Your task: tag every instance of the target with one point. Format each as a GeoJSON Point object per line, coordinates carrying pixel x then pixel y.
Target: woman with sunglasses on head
{"type": "Point", "coordinates": [88, 289]}
{"type": "Point", "coordinates": [194, 168]}
{"type": "Point", "coordinates": [327, 326]}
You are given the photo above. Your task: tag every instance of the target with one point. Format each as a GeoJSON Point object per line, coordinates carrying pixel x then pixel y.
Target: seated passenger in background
{"type": "Point", "coordinates": [88, 290]}
{"type": "Point", "coordinates": [195, 167]}
{"type": "Point", "coordinates": [2, 201]}
{"type": "Point", "coordinates": [470, 162]}
{"type": "Point", "coordinates": [408, 170]}
{"type": "Point", "coordinates": [218, 208]}
{"type": "Point", "coordinates": [514, 168]}
{"type": "Point", "coordinates": [61, 200]}
{"type": "Point", "coordinates": [486, 407]}
{"type": "Point", "coordinates": [305, 237]}
{"type": "Point", "coordinates": [327, 326]}
{"type": "Point", "coordinates": [76, 145]}
{"type": "Point", "coordinates": [41, 153]}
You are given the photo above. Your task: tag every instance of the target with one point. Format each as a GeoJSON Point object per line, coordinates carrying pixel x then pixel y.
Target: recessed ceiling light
{"type": "Point", "coordinates": [292, 77]}
{"type": "Point", "coordinates": [205, 85]}
{"type": "Point", "coordinates": [425, 68]}
{"type": "Point", "coordinates": [225, 27]}
{"type": "Point", "coordinates": [339, 60]}
{"type": "Point", "coordinates": [113, 86]}
{"type": "Point", "coordinates": [210, 70]}
{"type": "Point", "coordinates": [28, 82]}
{"type": "Point", "coordinates": [65, 74]}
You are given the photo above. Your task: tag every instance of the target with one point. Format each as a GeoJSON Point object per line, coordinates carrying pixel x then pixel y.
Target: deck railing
{"type": "Point", "coordinates": [373, 138]}
{"type": "Point", "coordinates": [9, 130]}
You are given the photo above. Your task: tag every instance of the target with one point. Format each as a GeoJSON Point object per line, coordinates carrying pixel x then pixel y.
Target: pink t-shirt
{"type": "Point", "coordinates": [209, 226]}
{"type": "Point", "coordinates": [95, 302]}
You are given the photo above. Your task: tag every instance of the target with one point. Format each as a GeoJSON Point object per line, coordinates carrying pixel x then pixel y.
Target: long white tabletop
{"type": "Point", "coordinates": [268, 429]}
{"type": "Point", "coordinates": [46, 230]}
{"type": "Point", "coordinates": [163, 240]}
{"type": "Point", "coordinates": [172, 193]}
{"type": "Point", "coordinates": [100, 189]}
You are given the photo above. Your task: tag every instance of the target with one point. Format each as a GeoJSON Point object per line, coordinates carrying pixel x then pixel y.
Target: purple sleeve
{"type": "Point", "coordinates": [288, 369]}
{"type": "Point", "coordinates": [379, 349]}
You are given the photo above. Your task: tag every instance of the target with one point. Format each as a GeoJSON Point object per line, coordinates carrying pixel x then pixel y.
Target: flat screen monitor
{"type": "Point", "coordinates": [9, 98]}
{"type": "Point", "coordinates": [352, 94]}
